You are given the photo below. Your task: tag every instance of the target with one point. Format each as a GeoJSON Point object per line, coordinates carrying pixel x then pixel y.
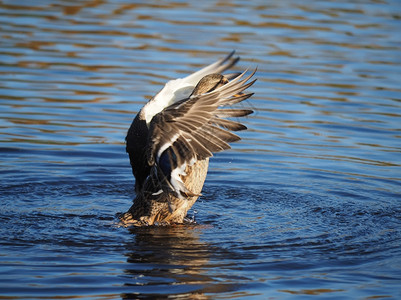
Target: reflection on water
{"type": "Point", "coordinates": [171, 258]}
{"type": "Point", "coordinates": [306, 204]}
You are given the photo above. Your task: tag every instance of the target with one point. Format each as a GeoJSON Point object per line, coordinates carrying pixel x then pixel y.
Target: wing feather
{"type": "Point", "coordinates": [195, 128]}
{"type": "Point", "coordinates": [228, 124]}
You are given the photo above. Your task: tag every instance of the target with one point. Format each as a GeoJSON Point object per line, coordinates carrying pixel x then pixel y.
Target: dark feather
{"type": "Point", "coordinates": [230, 112]}
{"type": "Point", "coordinates": [196, 123]}
{"type": "Point", "coordinates": [228, 124]}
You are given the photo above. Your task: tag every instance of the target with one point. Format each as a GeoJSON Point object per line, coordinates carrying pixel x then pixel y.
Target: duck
{"type": "Point", "coordinates": [173, 136]}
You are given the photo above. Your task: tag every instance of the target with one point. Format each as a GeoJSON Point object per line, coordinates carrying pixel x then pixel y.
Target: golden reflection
{"type": "Point", "coordinates": [75, 9]}
{"type": "Point", "coordinates": [226, 3]}
{"type": "Point", "coordinates": [144, 17]}
{"type": "Point", "coordinates": [28, 121]}
{"type": "Point", "coordinates": [280, 53]}
{"type": "Point", "coordinates": [46, 65]}
{"type": "Point", "coordinates": [232, 37]}
{"type": "Point", "coordinates": [71, 54]}
{"type": "Point", "coordinates": [71, 10]}
{"type": "Point", "coordinates": [313, 292]}
{"type": "Point", "coordinates": [124, 8]}
{"type": "Point", "coordinates": [94, 100]}
{"type": "Point", "coordinates": [82, 45]}
{"type": "Point", "coordinates": [266, 16]}
{"type": "Point", "coordinates": [34, 45]}
{"type": "Point", "coordinates": [91, 93]}
{"type": "Point", "coordinates": [33, 64]}
{"type": "Point", "coordinates": [19, 7]}
{"type": "Point", "coordinates": [41, 142]}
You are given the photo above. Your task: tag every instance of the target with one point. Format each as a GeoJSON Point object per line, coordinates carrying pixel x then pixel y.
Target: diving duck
{"type": "Point", "coordinates": [171, 139]}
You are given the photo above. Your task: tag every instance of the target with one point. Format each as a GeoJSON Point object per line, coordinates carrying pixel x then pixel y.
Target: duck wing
{"type": "Point", "coordinates": [181, 88]}
{"type": "Point", "coordinates": [193, 129]}
{"type": "Point", "coordinates": [173, 91]}
{"type": "Point", "coordinates": [218, 67]}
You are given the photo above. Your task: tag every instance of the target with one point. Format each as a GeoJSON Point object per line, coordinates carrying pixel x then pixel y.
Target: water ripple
{"type": "Point", "coordinates": [306, 204]}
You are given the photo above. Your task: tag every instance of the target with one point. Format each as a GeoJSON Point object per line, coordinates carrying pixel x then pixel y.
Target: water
{"type": "Point", "coordinates": [308, 203]}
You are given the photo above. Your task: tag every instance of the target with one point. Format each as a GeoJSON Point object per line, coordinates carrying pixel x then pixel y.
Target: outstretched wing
{"type": "Point", "coordinates": [173, 91]}
{"type": "Point", "coordinates": [193, 128]}
{"type": "Point", "coordinates": [181, 88]}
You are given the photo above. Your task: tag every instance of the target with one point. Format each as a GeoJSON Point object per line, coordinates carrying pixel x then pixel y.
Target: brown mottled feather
{"type": "Point", "coordinates": [188, 131]}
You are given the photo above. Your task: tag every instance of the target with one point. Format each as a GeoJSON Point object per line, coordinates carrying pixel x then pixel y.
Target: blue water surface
{"type": "Point", "coordinates": [307, 204]}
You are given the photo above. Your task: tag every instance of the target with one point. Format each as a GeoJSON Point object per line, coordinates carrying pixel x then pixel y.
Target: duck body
{"type": "Point", "coordinates": [172, 137]}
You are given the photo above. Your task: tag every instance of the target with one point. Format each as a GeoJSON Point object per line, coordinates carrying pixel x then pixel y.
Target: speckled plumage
{"type": "Point", "coordinates": [171, 139]}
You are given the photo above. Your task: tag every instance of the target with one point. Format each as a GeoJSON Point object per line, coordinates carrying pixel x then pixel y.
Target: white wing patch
{"type": "Point", "coordinates": [173, 91]}
{"type": "Point", "coordinates": [181, 88]}
{"type": "Point", "coordinates": [176, 181]}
